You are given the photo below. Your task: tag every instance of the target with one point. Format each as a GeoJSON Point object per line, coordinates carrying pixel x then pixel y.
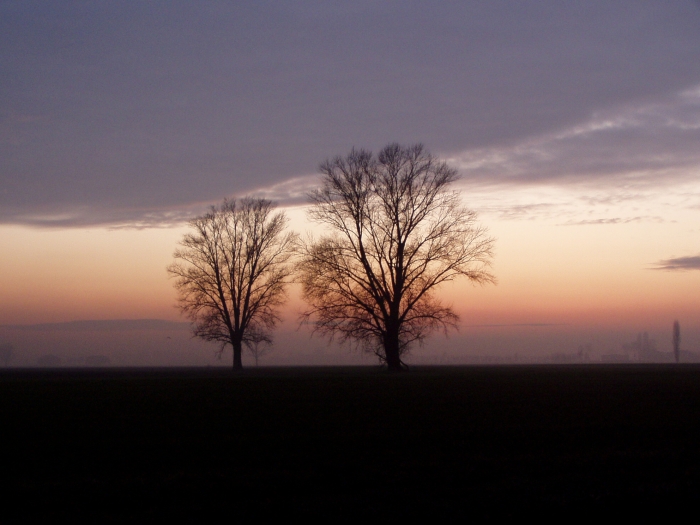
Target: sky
{"type": "Point", "coordinates": [574, 127]}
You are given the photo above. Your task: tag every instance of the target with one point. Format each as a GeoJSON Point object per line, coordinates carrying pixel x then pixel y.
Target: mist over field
{"type": "Point", "coordinates": [573, 130]}
{"type": "Point", "coordinates": [158, 343]}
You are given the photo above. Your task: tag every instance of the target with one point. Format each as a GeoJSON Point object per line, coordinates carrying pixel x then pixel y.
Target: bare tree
{"type": "Point", "coordinates": [677, 340]}
{"type": "Point", "coordinates": [259, 349]}
{"type": "Point", "coordinates": [231, 273]}
{"type": "Point", "coordinates": [396, 233]}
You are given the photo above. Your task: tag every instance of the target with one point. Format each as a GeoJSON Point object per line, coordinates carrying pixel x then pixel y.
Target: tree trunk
{"type": "Point", "coordinates": [237, 353]}
{"type": "Point", "coordinates": [391, 351]}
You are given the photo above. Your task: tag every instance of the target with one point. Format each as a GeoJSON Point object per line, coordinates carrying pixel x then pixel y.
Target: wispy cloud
{"type": "Point", "coordinates": [508, 325]}
{"type": "Point", "coordinates": [533, 211]}
{"type": "Point", "coordinates": [634, 147]}
{"type": "Point", "coordinates": [123, 218]}
{"type": "Point", "coordinates": [679, 264]}
{"type": "Point", "coordinates": [614, 220]}
{"type": "Point", "coordinates": [288, 193]}
{"type": "Point", "coordinates": [291, 192]}
{"type": "Point", "coordinates": [564, 205]}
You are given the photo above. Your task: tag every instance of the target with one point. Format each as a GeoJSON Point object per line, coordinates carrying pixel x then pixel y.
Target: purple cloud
{"type": "Point", "coordinates": [118, 112]}
{"type": "Point", "coordinates": [679, 264]}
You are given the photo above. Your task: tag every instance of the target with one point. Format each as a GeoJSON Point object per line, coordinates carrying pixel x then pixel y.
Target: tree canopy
{"type": "Point", "coordinates": [395, 232]}
{"type": "Point", "coordinates": [231, 272]}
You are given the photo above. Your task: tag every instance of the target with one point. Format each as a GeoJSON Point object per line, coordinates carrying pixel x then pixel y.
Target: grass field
{"type": "Point", "coordinates": [349, 443]}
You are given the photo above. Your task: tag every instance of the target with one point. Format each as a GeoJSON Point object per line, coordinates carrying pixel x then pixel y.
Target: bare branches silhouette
{"type": "Point", "coordinates": [231, 273]}
{"type": "Point", "coordinates": [396, 232]}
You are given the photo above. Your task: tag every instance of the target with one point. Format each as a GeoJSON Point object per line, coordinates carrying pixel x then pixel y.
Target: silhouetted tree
{"type": "Point", "coordinates": [677, 340]}
{"type": "Point", "coordinates": [396, 232]}
{"type": "Point", "coordinates": [231, 273]}
{"type": "Point", "coordinates": [259, 348]}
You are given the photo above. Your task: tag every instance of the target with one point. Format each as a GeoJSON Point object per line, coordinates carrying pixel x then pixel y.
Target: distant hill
{"type": "Point", "coordinates": [110, 342]}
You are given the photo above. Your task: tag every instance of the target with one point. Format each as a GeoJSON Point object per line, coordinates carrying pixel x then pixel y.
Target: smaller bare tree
{"type": "Point", "coordinates": [677, 341]}
{"type": "Point", "coordinates": [259, 347]}
{"type": "Point", "coordinates": [231, 273]}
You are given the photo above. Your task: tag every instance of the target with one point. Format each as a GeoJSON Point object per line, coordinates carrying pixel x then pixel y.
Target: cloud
{"type": "Point", "coordinates": [288, 193]}
{"type": "Point", "coordinates": [519, 211]}
{"type": "Point", "coordinates": [633, 148]}
{"type": "Point", "coordinates": [292, 192]}
{"type": "Point", "coordinates": [613, 220]}
{"type": "Point", "coordinates": [100, 128]}
{"type": "Point", "coordinates": [679, 264]}
{"type": "Point", "coordinates": [508, 325]}
{"type": "Point", "coordinates": [129, 218]}
{"type": "Point", "coordinates": [580, 205]}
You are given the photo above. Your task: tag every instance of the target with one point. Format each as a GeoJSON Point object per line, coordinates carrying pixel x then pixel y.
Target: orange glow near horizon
{"type": "Point", "coordinates": [578, 275]}
{"type": "Point", "coordinates": [547, 273]}
{"type": "Point", "coordinates": [66, 275]}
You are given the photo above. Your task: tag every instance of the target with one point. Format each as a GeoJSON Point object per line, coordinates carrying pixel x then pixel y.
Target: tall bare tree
{"type": "Point", "coordinates": [395, 232]}
{"type": "Point", "coordinates": [231, 272]}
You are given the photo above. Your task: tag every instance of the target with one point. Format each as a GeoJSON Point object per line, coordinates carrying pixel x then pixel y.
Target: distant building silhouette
{"type": "Point", "coordinates": [676, 341]}
{"type": "Point", "coordinates": [643, 349]}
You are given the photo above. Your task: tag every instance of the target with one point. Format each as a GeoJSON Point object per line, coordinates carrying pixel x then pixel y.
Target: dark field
{"type": "Point", "coordinates": [351, 442]}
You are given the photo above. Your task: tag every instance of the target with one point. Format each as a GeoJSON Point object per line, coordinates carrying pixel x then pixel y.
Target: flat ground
{"type": "Point", "coordinates": [349, 443]}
